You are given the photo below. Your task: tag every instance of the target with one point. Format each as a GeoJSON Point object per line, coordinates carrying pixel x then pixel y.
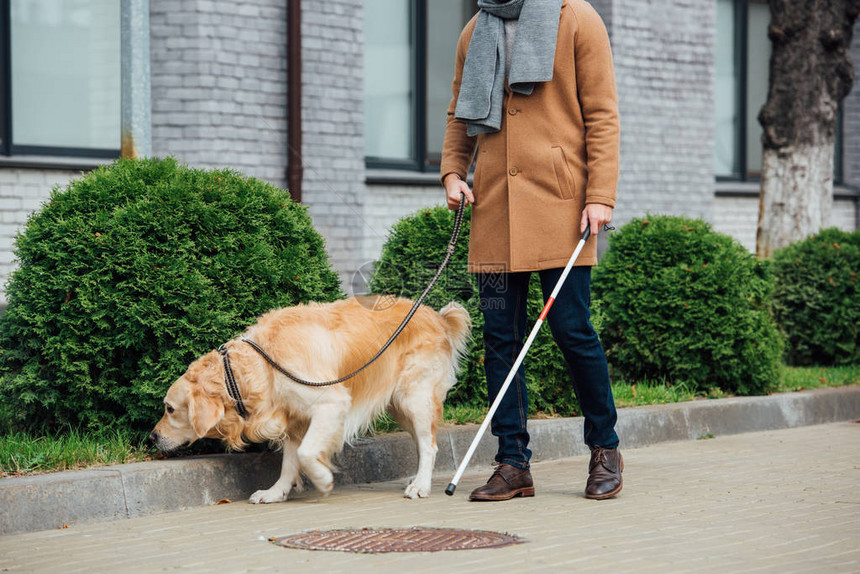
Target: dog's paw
{"type": "Point", "coordinates": [268, 496]}
{"type": "Point", "coordinates": [414, 491]}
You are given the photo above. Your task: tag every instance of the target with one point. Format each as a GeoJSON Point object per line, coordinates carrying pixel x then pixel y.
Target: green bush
{"type": "Point", "coordinates": [133, 271]}
{"type": "Point", "coordinates": [410, 257]}
{"type": "Point", "coordinates": [686, 304]}
{"type": "Point", "coordinates": [816, 299]}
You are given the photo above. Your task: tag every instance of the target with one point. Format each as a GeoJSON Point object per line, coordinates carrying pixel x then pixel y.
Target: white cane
{"type": "Point", "coordinates": [462, 468]}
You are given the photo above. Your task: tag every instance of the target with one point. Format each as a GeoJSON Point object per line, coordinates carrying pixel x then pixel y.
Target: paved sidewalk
{"type": "Point", "coordinates": [776, 501]}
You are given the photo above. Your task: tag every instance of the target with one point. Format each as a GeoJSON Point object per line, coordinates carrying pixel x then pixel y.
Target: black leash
{"type": "Point", "coordinates": [449, 252]}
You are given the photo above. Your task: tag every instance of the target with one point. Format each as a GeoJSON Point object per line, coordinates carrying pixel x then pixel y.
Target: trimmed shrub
{"type": "Point", "coordinates": [816, 299]}
{"type": "Point", "coordinates": [410, 257]}
{"type": "Point", "coordinates": [686, 304]}
{"type": "Point", "coordinates": [133, 271]}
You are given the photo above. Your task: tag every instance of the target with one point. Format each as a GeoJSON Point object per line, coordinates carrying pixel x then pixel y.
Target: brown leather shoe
{"type": "Point", "coordinates": [506, 483]}
{"type": "Point", "coordinates": [604, 473]}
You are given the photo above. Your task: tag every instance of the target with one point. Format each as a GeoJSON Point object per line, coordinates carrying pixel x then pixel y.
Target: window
{"type": "Point", "coordinates": [389, 94]}
{"type": "Point", "coordinates": [742, 73]}
{"type": "Point", "coordinates": [60, 76]}
{"type": "Point", "coordinates": [409, 64]}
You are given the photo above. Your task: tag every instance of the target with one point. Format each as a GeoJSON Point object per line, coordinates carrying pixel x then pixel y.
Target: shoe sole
{"type": "Point", "coordinates": [606, 495]}
{"type": "Point", "coordinates": [524, 492]}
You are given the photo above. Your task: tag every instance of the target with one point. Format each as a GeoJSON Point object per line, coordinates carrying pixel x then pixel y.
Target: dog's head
{"type": "Point", "coordinates": [193, 406]}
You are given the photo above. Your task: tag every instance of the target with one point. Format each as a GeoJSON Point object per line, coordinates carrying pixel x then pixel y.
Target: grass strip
{"type": "Point", "coordinates": [25, 453]}
{"type": "Point", "coordinates": [804, 378]}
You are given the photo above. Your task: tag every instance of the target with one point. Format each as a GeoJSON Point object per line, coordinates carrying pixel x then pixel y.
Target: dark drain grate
{"type": "Point", "coordinates": [382, 540]}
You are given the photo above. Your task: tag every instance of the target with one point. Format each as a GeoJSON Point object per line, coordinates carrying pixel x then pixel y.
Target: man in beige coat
{"type": "Point", "coordinates": [534, 92]}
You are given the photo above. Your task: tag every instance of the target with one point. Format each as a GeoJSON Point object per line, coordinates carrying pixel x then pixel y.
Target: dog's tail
{"type": "Point", "coordinates": [458, 325]}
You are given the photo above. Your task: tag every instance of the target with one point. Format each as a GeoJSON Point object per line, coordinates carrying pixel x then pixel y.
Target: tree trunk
{"type": "Point", "coordinates": [810, 74]}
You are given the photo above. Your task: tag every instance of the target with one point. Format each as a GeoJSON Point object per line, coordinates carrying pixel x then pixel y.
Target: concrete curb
{"type": "Point", "coordinates": [49, 501]}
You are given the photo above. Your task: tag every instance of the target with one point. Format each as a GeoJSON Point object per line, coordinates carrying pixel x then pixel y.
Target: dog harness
{"type": "Point", "coordinates": [230, 382]}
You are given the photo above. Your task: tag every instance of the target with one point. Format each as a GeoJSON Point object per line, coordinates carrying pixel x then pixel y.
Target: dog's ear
{"type": "Point", "coordinates": [204, 413]}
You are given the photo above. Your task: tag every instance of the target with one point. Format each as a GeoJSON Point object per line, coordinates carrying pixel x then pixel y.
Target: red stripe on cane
{"type": "Point", "coordinates": [546, 307]}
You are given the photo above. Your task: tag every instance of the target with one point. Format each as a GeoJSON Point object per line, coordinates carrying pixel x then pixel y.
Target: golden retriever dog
{"type": "Point", "coordinates": [321, 342]}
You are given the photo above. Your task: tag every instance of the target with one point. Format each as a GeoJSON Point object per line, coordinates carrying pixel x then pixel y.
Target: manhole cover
{"type": "Point", "coordinates": [382, 540]}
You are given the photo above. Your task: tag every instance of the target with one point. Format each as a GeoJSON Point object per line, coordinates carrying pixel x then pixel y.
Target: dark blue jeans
{"type": "Point", "coordinates": [506, 326]}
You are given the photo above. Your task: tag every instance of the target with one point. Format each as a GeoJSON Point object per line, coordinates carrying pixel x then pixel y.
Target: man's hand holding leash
{"type": "Point", "coordinates": [454, 185]}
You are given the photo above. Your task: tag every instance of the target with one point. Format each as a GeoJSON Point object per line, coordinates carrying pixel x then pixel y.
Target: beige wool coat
{"type": "Point", "coordinates": [557, 150]}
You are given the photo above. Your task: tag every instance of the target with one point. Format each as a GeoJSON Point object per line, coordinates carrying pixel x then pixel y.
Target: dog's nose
{"type": "Point", "coordinates": [153, 437]}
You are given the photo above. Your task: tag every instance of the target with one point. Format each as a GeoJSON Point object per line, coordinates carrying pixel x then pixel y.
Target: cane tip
{"type": "Point", "coordinates": [450, 490]}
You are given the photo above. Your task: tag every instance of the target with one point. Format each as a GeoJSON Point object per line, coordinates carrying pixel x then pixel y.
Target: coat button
{"type": "Point", "coordinates": [513, 111]}
{"type": "Point", "coordinates": [514, 171]}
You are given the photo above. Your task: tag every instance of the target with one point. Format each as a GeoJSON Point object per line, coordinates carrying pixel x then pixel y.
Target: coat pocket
{"type": "Point", "coordinates": [566, 187]}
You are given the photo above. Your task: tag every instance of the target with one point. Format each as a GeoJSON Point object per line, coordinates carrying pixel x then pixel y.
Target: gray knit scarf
{"type": "Point", "coordinates": [483, 87]}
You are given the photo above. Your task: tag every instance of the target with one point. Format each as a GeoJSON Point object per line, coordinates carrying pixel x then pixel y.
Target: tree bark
{"type": "Point", "coordinates": [811, 72]}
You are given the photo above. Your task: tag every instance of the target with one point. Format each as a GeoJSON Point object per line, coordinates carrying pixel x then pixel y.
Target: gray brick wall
{"type": "Point", "coordinates": [605, 8]}
{"type": "Point", "coordinates": [220, 93]}
{"type": "Point", "coordinates": [664, 67]}
{"type": "Point", "coordinates": [851, 120]}
{"type": "Point", "coordinates": [385, 204]}
{"type": "Point", "coordinates": [738, 217]}
{"type": "Point", "coordinates": [333, 116]}
{"type": "Point", "coordinates": [844, 215]}
{"type": "Point", "coordinates": [22, 191]}
{"type": "Point", "coordinates": [219, 84]}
